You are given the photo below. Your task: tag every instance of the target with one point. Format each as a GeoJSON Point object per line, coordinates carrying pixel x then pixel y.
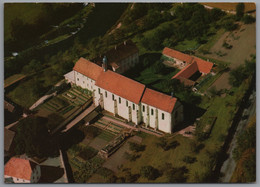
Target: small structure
{"type": "Point", "coordinates": [22, 170]}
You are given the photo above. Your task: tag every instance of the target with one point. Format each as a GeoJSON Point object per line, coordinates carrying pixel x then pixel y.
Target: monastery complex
{"type": "Point", "coordinates": [130, 99]}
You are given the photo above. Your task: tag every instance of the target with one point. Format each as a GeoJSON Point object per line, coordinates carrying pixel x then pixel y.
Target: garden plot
{"type": "Point", "coordinates": [64, 104]}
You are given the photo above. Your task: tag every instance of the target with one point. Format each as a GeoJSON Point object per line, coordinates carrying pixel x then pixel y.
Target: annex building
{"type": "Point", "coordinates": [189, 65]}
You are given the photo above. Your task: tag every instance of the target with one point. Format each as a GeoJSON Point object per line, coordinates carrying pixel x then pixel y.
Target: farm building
{"type": "Point", "coordinates": [127, 98]}
{"type": "Point", "coordinates": [20, 170]}
{"type": "Point", "coordinates": [191, 67]}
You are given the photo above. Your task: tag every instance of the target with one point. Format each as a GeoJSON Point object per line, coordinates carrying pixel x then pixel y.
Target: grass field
{"type": "Point", "coordinates": [187, 45]}
{"type": "Point", "coordinates": [224, 108]}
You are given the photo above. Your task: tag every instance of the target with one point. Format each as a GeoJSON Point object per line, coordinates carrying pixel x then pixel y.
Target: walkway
{"type": "Point", "coordinates": [79, 117]}
{"type": "Point", "coordinates": [41, 100]}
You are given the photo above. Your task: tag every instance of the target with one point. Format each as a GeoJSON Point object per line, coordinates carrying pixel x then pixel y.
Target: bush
{"type": "Point", "coordinates": [189, 159]}
{"type": "Point", "coordinates": [166, 145]}
{"type": "Point", "coordinates": [229, 25]}
{"type": "Point", "coordinates": [88, 153]}
{"type": "Point", "coordinates": [149, 172]}
{"type": "Point", "coordinates": [248, 19]}
{"type": "Point", "coordinates": [136, 147]}
{"type": "Point", "coordinates": [131, 157]}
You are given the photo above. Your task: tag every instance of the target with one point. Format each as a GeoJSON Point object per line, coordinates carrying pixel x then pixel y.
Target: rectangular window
{"type": "Point", "coordinates": [106, 93]}
{"type": "Point", "coordinates": [119, 99]}
{"type": "Point", "coordinates": [126, 103]}
{"type": "Point", "coordinates": [113, 97]}
{"type": "Point", "coordinates": [162, 116]}
{"type": "Point", "coordinates": [77, 79]}
{"type": "Point", "coordinates": [152, 111]}
{"type": "Point", "coordinates": [133, 106]}
{"type": "Point", "coordinates": [99, 90]}
{"type": "Point", "coordinates": [83, 82]}
{"type": "Point", "coordinates": [143, 108]}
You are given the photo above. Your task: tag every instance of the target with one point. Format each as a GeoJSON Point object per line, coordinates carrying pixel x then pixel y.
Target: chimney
{"type": "Point", "coordinates": [124, 42]}
{"type": "Point", "coordinates": [104, 65]}
{"type": "Point", "coordinates": [172, 94]}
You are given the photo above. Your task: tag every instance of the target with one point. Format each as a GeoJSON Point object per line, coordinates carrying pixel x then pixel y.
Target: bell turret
{"type": "Point", "coordinates": [104, 65]}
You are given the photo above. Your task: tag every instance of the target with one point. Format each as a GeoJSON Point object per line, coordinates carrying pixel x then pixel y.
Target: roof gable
{"type": "Point", "coordinates": [121, 86]}
{"type": "Point", "coordinates": [19, 168]}
{"type": "Point", "coordinates": [88, 68]}
{"type": "Point", "coordinates": [159, 100]}
{"type": "Point", "coordinates": [203, 66]}
{"type": "Point", "coordinates": [176, 54]}
{"type": "Point", "coordinates": [188, 71]}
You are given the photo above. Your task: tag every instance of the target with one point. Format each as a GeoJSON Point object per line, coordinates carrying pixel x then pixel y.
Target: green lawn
{"type": "Point", "coordinates": [224, 108]}
{"type": "Point", "coordinates": [187, 45]}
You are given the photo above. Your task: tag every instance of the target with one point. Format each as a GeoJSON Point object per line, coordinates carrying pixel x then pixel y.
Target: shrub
{"type": "Point", "coordinates": [131, 157]}
{"type": "Point", "coordinates": [166, 145]}
{"type": "Point", "coordinates": [149, 172]}
{"type": "Point", "coordinates": [88, 153]}
{"type": "Point", "coordinates": [136, 147]}
{"type": "Point", "coordinates": [189, 159]}
{"type": "Point", "coordinates": [247, 19]}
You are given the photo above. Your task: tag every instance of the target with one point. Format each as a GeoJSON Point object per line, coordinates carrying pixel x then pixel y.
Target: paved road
{"type": "Point", "coordinates": [229, 165]}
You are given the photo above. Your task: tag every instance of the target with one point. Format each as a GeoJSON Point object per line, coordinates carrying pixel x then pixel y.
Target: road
{"type": "Point", "coordinates": [229, 165]}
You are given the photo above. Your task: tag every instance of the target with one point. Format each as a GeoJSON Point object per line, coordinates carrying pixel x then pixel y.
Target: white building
{"type": "Point", "coordinates": [127, 98]}
{"type": "Point", "coordinates": [84, 74]}
{"type": "Point", "coordinates": [21, 170]}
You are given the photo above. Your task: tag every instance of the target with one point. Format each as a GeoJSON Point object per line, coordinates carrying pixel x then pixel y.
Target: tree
{"type": "Point", "coordinates": [248, 19]}
{"type": "Point", "coordinates": [149, 172]}
{"type": "Point", "coordinates": [240, 8]}
{"type": "Point", "coordinates": [33, 138]}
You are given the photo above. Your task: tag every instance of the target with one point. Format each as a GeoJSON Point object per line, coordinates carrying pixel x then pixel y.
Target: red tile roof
{"type": "Point", "coordinates": [159, 100]}
{"type": "Point", "coordinates": [88, 68]}
{"type": "Point", "coordinates": [176, 54]}
{"type": "Point", "coordinates": [19, 168]}
{"type": "Point", "coordinates": [121, 86]}
{"type": "Point", "coordinates": [188, 71]}
{"type": "Point", "coordinates": [203, 66]}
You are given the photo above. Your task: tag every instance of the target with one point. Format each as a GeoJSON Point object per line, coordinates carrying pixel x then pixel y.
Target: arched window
{"type": "Point", "coordinates": [152, 111]}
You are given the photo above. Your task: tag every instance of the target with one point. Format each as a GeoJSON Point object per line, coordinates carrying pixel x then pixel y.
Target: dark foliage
{"type": "Point", "coordinates": [33, 138]}
{"type": "Point", "coordinates": [136, 147]}
{"type": "Point", "coordinates": [149, 172]}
